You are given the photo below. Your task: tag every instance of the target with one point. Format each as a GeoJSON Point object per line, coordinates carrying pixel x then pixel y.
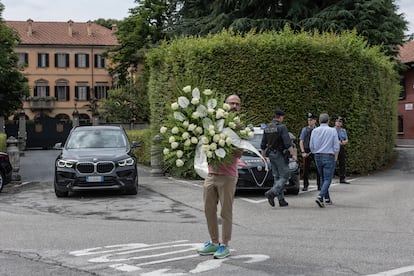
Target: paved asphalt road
{"type": "Point", "coordinates": [368, 230]}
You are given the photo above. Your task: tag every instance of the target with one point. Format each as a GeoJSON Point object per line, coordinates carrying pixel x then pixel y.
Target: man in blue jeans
{"type": "Point", "coordinates": [325, 147]}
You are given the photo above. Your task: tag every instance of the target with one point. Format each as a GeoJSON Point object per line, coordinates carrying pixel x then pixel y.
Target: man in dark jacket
{"type": "Point", "coordinates": [277, 145]}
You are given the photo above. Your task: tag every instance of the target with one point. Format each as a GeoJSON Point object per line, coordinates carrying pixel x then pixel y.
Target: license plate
{"type": "Point", "coordinates": [94, 178]}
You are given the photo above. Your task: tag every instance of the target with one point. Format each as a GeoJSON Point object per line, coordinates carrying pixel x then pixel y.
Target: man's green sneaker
{"type": "Point", "coordinates": [222, 252]}
{"type": "Point", "coordinates": [209, 248]}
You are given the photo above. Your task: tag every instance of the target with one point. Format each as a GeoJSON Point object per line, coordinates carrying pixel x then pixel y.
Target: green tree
{"type": "Point", "coordinates": [376, 20]}
{"type": "Point", "coordinates": [146, 26]}
{"type": "Point", "coordinates": [13, 84]}
{"type": "Point", "coordinates": [127, 103]}
{"type": "Point", "coordinates": [107, 23]}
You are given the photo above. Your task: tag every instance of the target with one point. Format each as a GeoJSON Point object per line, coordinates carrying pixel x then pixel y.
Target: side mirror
{"type": "Point", "coordinates": [57, 146]}
{"type": "Point", "coordinates": [135, 144]}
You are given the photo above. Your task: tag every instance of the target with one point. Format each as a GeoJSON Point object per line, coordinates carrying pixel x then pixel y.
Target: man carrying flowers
{"type": "Point", "coordinates": [220, 186]}
{"type": "Point", "coordinates": [204, 133]}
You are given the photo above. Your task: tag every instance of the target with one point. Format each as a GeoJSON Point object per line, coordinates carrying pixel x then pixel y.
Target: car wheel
{"type": "Point", "coordinates": [2, 180]}
{"type": "Point", "coordinates": [60, 193]}
{"type": "Point", "coordinates": [134, 189]}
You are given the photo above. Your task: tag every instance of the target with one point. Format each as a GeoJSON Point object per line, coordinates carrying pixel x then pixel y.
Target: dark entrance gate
{"type": "Point", "coordinates": [45, 132]}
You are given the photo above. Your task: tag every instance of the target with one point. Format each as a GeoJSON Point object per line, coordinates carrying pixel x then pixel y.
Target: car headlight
{"type": "Point", "coordinates": [126, 162]}
{"type": "Point", "coordinates": [61, 163]}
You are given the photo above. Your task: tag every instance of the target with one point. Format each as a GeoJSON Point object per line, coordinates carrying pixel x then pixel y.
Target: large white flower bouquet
{"type": "Point", "coordinates": [200, 123]}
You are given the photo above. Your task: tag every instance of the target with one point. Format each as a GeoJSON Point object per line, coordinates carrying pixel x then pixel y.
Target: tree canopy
{"type": "Point", "coordinates": [376, 20]}
{"type": "Point", "coordinates": [13, 84]}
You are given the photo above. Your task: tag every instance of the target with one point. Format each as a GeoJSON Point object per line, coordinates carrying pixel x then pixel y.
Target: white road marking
{"type": "Point", "coordinates": [394, 272]}
{"type": "Point", "coordinates": [22, 184]}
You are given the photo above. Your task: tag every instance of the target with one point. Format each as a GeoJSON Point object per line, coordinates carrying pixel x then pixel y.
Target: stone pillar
{"type": "Point", "coordinates": [95, 119]}
{"type": "Point", "coordinates": [14, 155]}
{"type": "Point", "coordinates": [2, 125]}
{"type": "Point", "coordinates": [22, 134]}
{"type": "Point", "coordinates": [75, 121]}
{"type": "Point", "coordinates": [156, 156]}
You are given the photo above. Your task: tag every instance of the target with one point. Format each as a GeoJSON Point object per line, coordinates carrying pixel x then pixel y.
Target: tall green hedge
{"type": "Point", "coordinates": [3, 142]}
{"type": "Point", "coordinates": [298, 72]}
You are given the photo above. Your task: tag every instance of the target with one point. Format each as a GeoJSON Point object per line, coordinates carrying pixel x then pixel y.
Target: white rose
{"type": "Point", "coordinates": [163, 130]}
{"type": "Point", "coordinates": [213, 146]}
{"type": "Point", "coordinates": [232, 125]}
{"type": "Point", "coordinates": [207, 92]}
{"type": "Point", "coordinates": [195, 115]}
{"type": "Point", "coordinates": [237, 120]}
{"type": "Point", "coordinates": [179, 163]}
{"type": "Point", "coordinates": [216, 138]}
{"type": "Point", "coordinates": [243, 132]}
{"type": "Point", "coordinates": [209, 154]}
{"type": "Point", "coordinates": [185, 124]}
{"type": "Point", "coordinates": [205, 148]}
{"type": "Point", "coordinates": [195, 101]}
{"type": "Point", "coordinates": [166, 151]}
{"type": "Point", "coordinates": [211, 132]}
{"type": "Point", "coordinates": [175, 130]}
{"type": "Point", "coordinates": [222, 142]}
{"type": "Point", "coordinates": [210, 111]}
{"type": "Point", "coordinates": [225, 114]}
{"type": "Point", "coordinates": [219, 113]}
{"type": "Point", "coordinates": [229, 141]}
{"type": "Point", "coordinates": [174, 145]}
{"type": "Point", "coordinates": [191, 127]}
{"type": "Point", "coordinates": [250, 135]}
{"type": "Point", "coordinates": [179, 153]}
{"type": "Point", "coordinates": [194, 140]}
{"type": "Point", "coordinates": [187, 142]}
{"type": "Point", "coordinates": [199, 130]}
{"type": "Point", "coordinates": [174, 106]}
{"type": "Point", "coordinates": [204, 140]}
{"type": "Point", "coordinates": [211, 127]}
{"type": "Point", "coordinates": [223, 136]}
{"type": "Point", "coordinates": [226, 107]}
{"type": "Point", "coordinates": [185, 135]}
{"type": "Point", "coordinates": [187, 89]}
{"type": "Point", "coordinates": [171, 139]}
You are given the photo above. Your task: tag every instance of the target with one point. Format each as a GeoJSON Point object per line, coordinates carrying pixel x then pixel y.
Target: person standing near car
{"type": "Point", "coordinates": [276, 143]}
{"type": "Point", "coordinates": [324, 145]}
{"type": "Point", "coordinates": [220, 186]}
{"type": "Point", "coordinates": [343, 140]}
{"type": "Point", "coordinates": [307, 156]}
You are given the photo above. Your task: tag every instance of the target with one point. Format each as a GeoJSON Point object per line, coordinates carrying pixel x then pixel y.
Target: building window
{"type": "Point", "coordinates": [402, 91]}
{"type": "Point", "coordinates": [82, 60]}
{"type": "Point", "coordinates": [23, 59]}
{"type": "Point", "coordinates": [62, 91]}
{"type": "Point", "coordinates": [41, 89]}
{"type": "Point", "coordinates": [82, 92]}
{"type": "Point", "coordinates": [99, 61]}
{"type": "Point", "coordinates": [101, 91]}
{"type": "Point", "coordinates": [62, 60]}
{"type": "Point", "coordinates": [400, 124]}
{"type": "Point", "coordinates": [42, 60]}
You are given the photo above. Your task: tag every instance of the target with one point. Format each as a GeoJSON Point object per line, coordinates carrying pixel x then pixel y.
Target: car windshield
{"type": "Point", "coordinates": [256, 140]}
{"type": "Point", "coordinates": [102, 138]}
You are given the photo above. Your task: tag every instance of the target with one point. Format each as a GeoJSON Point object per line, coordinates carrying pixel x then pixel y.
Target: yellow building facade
{"type": "Point", "coordinates": [65, 67]}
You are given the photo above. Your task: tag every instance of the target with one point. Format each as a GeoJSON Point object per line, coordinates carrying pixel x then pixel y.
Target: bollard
{"type": "Point", "coordinates": [14, 155]}
{"type": "Point", "coordinates": [156, 156]}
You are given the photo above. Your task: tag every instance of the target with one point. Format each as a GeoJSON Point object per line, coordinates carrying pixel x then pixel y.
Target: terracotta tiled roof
{"type": "Point", "coordinates": [58, 33]}
{"type": "Point", "coordinates": [406, 52]}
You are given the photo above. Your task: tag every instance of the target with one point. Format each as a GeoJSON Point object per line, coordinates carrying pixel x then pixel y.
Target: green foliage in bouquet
{"type": "Point", "coordinates": [199, 119]}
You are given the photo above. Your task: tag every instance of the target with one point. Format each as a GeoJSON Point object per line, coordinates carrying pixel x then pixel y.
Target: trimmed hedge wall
{"type": "Point", "coordinates": [3, 142]}
{"type": "Point", "coordinates": [143, 136]}
{"type": "Point", "coordinates": [298, 72]}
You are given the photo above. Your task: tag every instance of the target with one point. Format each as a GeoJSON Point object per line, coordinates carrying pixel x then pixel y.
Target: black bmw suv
{"type": "Point", "coordinates": [96, 158]}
